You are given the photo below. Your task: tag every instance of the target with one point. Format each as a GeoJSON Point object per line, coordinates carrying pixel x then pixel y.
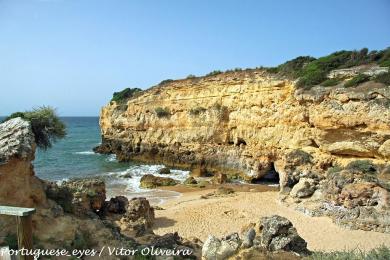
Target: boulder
{"type": "Point", "coordinates": [60, 194]}
{"type": "Point", "coordinates": [16, 140]}
{"type": "Point", "coordinates": [278, 233]}
{"type": "Point", "coordinates": [88, 195]}
{"type": "Point", "coordinates": [116, 205]}
{"type": "Point", "coordinates": [219, 178]}
{"type": "Point", "coordinates": [248, 237]}
{"type": "Point", "coordinates": [363, 194]}
{"type": "Point", "coordinates": [149, 181]}
{"type": "Point", "coordinates": [210, 248]}
{"type": "Point", "coordinates": [304, 188]}
{"type": "Point", "coordinates": [220, 249]}
{"type": "Point", "coordinates": [164, 170]}
{"type": "Point", "coordinates": [190, 181]}
{"type": "Point", "coordinates": [229, 246]}
{"type": "Point", "coordinates": [138, 219]}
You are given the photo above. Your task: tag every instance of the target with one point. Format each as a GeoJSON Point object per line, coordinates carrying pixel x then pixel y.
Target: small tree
{"type": "Point", "coordinates": [45, 124]}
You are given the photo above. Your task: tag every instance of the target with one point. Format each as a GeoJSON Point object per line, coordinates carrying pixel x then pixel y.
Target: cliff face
{"type": "Point", "coordinates": [329, 146]}
{"type": "Point", "coordinates": [18, 185]}
{"type": "Point", "coordinates": [245, 122]}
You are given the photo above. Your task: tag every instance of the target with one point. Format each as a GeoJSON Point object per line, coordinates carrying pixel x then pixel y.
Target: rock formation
{"type": "Point", "coordinates": [151, 181]}
{"type": "Point", "coordinates": [75, 214]}
{"type": "Point", "coordinates": [249, 123]}
{"type": "Point", "coordinates": [274, 234]}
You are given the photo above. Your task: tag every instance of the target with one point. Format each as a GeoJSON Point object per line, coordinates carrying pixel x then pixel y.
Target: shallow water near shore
{"type": "Point", "coordinates": [72, 157]}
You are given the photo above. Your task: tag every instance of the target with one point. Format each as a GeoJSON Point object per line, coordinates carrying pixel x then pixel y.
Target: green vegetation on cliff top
{"type": "Point", "coordinates": [308, 70]}
{"type": "Point", "coordinates": [125, 94]}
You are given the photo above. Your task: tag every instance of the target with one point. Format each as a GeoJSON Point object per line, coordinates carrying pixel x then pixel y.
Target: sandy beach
{"type": "Point", "coordinates": [192, 216]}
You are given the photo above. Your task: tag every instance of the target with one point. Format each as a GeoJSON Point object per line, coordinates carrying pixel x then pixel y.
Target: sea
{"type": "Point", "coordinates": [73, 157]}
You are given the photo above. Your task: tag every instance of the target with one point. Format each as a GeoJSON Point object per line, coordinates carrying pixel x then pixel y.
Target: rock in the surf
{"type": "Point", "coordinates": [150, 181]}
{"type": "Point", "coordinates": [164, 170]}
{"type": "Point", "coordinates": [190, 181]}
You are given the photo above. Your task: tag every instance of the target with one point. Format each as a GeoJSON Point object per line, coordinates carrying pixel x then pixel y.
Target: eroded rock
{"type": "Point", "coordinates": [150, 181]}
{"type": "Point", "coordinates": [278, 233]}
{"type": "Point", "coordinates": [138, 219]}
{"type": "Point", "coordinates": [304, 188]}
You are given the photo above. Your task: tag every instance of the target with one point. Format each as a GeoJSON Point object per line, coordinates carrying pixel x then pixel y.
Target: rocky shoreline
{"type": "Point", "coordinates": [328, 147]}
{"type": "Point", "coordinates": [76, 214]}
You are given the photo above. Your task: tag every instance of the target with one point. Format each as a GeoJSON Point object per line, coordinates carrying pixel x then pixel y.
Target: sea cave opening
{"type": "Point", "coordinates": [271, 177]}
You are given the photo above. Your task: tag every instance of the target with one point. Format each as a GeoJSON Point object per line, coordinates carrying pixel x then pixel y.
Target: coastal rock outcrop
{"type": "Point", "coordinates": [275, 233]}
{"type": "Point", "coordinates": [17, 149]}
{"type": "Point", "coordinates": [250, 123]}
{"type": "Point", "coordinates": [54, 224]}
{"type": "Point", "coordinates": [150, 181]}
{"type": "Point", "coordinates": [278, 233]}
{"type": "Point", "coordinates": [74, 214]}
{"type": "Point", "coordinates": [138, 219]}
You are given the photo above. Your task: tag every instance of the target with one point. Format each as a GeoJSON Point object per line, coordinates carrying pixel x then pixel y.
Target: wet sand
{"type": "Point", "coordinates": [192, 216]}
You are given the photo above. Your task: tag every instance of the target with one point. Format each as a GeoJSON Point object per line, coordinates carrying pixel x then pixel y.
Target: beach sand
{"type": "Point", "coordinates": [192, 216]}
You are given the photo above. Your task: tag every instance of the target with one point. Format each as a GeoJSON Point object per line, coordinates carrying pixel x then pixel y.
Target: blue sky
{"type": "Point", "coordinates": [73, 54]}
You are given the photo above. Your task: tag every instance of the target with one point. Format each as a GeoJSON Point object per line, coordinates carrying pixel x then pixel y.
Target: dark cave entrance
{"type": "Point", "coordinates": [271, 177]}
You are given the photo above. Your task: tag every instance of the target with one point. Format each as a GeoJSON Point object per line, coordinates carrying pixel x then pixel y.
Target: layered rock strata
{"type": "Point", "coordinates": [251, 123]}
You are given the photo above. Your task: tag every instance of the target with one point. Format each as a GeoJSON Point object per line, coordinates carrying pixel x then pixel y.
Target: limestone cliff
{"type": "Point", "coordinates": [249, 123]}
{"type": "Point", "coordinates": [245, 121]}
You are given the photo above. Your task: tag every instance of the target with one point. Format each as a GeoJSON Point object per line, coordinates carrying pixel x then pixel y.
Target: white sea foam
{"type": "Point", "coordinates": [111, 158]}
{"type": "Point", "coordinates": [130, 185]}
{"type": "Point", "coordinates": [62, 181]}
{"type": "Point", "coordinates": [85, 152]}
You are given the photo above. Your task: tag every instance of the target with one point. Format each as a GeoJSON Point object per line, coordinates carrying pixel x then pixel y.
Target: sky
{"type": "Point", "coordinates": [73, 54]}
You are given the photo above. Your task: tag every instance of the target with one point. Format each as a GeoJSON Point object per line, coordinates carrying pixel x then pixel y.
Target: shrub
{"type": "Point", "coordinates": [383, 78]}
{"type": "Point", "coordinates": [234, 70]}
{"type": "Point", "coordinates": [316, 71]}
{"type": "Point", "coordinates": [272, 70]}
{"type": "Point", "coordinates": [358, 79]}
{"type": "Point", "coordinates": [191, 76]}
{"type": "Point", "coordinates": [166, 81]}
{"type": "Point", "coordinates": [162, 112]}
{"type": "Point", "coordinates": [293, 68]}
{"type": "Point", "coordinates": [384, 57]}
{"type": "Point", "coordinates": [45, 124]}
{"type": "Point", "coordinates": [125, 94]}
{"type": "Point", "coordinates": [197, 110]}
{"type": "Point", "coordinates": [213, 73]}
{"type": "Point", "coordinates": [362, 166]}
{"type": "Point", "coordinates": [331, 82]}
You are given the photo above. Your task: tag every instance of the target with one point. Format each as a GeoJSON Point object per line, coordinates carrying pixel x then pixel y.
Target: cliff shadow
{"type": "Point", "coordinates": [162, 222]}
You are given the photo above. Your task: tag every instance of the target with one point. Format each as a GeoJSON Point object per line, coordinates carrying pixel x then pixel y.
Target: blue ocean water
{"type": "Point", "coordinates": [72, 157]}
